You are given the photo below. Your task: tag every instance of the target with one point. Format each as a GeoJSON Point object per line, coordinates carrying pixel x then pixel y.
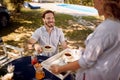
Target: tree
{"type": "Point", "coordinates": [87, 2]}
{"type": "Point", "coordinates": [17, 4]}
{"type": "Point", "coordinates": [1, 1]}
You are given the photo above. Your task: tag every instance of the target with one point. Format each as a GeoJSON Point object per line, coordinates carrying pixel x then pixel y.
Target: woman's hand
{"type": "Point", "coordinates": [55, 69]}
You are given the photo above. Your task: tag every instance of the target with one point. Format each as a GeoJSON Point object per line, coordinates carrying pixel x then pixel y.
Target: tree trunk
{"type": "Point", "coordinates": [18, 8]}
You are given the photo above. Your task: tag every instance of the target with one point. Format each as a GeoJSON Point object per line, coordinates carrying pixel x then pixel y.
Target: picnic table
{"type": "Point", "coordinates": [24, 70]}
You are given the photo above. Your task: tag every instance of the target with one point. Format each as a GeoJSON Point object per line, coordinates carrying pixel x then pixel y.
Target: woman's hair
{"type": "Point", "coordinates": [47, 11]}
{"type": "Point", "coordinates": [112, 8]}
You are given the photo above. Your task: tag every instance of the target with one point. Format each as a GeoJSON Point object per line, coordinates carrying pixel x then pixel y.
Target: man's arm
{"type": "Point", "coordinates": [64, 45]}
{"type": "Point", "coordinates": [62, 39]}
{"type": "Point", "coordinates": [31, 43]}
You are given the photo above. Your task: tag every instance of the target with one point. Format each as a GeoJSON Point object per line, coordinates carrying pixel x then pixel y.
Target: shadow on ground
{"type": "Point", "coordinates": [23, 24]}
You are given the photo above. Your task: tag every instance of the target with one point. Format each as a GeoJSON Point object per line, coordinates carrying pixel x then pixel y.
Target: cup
{"type": "Point", "coordinates": [67, 57]}
{"type": "Point", "coordinates": [47, 48]}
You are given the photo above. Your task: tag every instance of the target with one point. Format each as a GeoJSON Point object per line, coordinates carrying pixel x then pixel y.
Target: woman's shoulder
{"type": "Point", "coordinates": [108, 24]}
{"type": "Point", "coordinates": [108, 27]}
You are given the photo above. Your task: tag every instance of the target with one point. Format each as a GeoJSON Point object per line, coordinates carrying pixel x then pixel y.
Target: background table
{"type": "Point", "coordinates": [24, 70]}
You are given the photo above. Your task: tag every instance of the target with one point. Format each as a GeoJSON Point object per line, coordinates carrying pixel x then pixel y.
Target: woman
{"type": "Point", "coordinates": [101, 58]}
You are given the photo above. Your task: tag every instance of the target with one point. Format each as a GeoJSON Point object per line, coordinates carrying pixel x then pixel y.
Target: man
{"type": "Point", "coordinates": [48, 34]}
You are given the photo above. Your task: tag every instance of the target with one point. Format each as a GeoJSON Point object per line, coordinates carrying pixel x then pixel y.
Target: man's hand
{"type": "Point", "coordinates": [29, 46]}
{"type": "Point", "coordinates": [38, 48]}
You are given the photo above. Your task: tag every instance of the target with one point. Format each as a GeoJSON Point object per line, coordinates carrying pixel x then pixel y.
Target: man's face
{"type": "Point", "coordinates": [49, 20]}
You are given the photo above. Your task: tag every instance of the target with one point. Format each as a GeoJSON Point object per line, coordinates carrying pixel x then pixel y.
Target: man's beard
{"type": "Point", "coordinates": [49, 25]}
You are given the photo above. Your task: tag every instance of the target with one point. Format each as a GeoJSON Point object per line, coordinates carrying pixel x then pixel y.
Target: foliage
{"type": "Point", "coordinates": [72, 1]}
{"type": "Point", "coordinates": [78, 34]}
{"type": "Point", "coordinates": [16, 1]}
{"type": "Point", "coordinates": [87, 2]}
{"type": "Point", "coordinates": [28, 0]}
{"type": "Point", "coordinates": [1, 1]}
{"type": "Point", "coordinates": [17, 4]}
{"type": "Point", "coordinates": [80, 2]}
{"type": "Point", "coordinates": [62, 20]}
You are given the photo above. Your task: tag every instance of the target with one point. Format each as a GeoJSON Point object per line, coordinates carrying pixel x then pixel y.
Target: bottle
{"type": "Point", "coordinates": [39, 74]}
{"type": "Point", "coordinates": [34, 60]}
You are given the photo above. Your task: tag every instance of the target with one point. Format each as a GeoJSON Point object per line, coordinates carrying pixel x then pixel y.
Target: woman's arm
{"type": "Point", "coordinates": [70, 66]}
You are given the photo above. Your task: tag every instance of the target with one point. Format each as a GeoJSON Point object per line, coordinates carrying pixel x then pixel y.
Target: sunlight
{"type": "Point", "coordinates": [25, 21]}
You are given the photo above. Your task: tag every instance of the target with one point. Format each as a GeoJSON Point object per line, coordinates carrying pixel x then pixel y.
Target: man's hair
{"type": "Point", "coordinates": [47, 11]}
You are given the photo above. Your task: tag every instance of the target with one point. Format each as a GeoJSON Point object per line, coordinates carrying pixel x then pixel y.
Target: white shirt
{"type": "Point", "coordinates": [101, 58]}
{"type": "Point", "coordinates": [53, 39]}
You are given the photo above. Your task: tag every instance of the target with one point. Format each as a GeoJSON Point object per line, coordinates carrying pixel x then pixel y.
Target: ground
{"type": "Point", "coordinates": [23, 24]}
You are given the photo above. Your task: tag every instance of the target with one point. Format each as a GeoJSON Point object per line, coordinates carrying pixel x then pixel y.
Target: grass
{"type": "Point", "coordinates": [23, 24]}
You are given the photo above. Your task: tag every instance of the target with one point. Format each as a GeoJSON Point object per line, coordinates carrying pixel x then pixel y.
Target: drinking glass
{"type": "Point", "coordinates": [39, 72]}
